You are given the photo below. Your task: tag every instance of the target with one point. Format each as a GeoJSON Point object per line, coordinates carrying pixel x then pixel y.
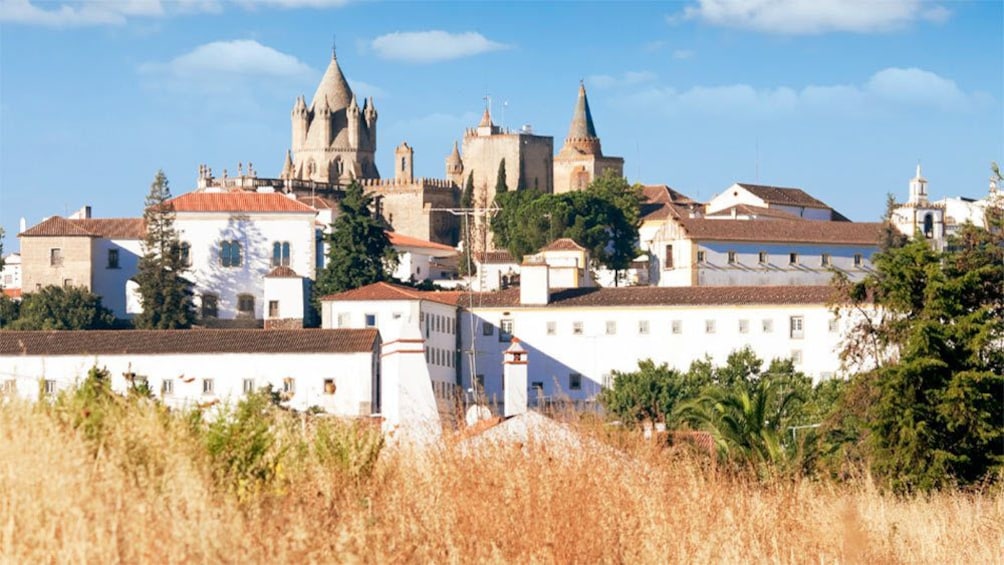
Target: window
{"type": "Point", "coordinates": [210, 305]}
{"type": "Point", "coordinates": [611, 327]}
{"type": "Point", "coordinates": [928, 226]}
{"type": "Point", "coordinates": [487, 328]}
{"type": "Point", "coordinates": [676, 327]}
{"type": "Point", "coordinates": [796, 324]}
{"type": "Point", "coordinates": [479, 381]}
{"type": "Point", "coordinates": [185, 253]}
{"type": "Point", "coordinates": [344, 319]}
{"type": "Point", "coordinates": [56, 257]}
{"type": "Point", "coordinates": [768, 326]}
{"type": "Point", "coordinates": [113, 258]}
{"type": "Point", "coordinates": [709, 326]}
{"type": "Point", "coordinates": [248, 386]}
{"type": "Point", "coordinates": [576, 328]}
{"type": "Point", "coordinates": [273, 308]}
{"type": "Point", "coordinates": [245, 305]}
{"type": "Point", "coordinates": [280, 254]}
{"type": "Point", "coordinates": [67, 283]}
{"type": "Point", "coordinates": [824, 260]}
{"type": "Point", "coordinates": [538, 388]}
{"type": "Point", "coordinates": [552, 328]}
{"type": "Point", "coordinates": [796, 356]}
{"type": "Point", "coordinates": [207, 386]}
{"type": "Point", "coordinates": [50, 387]}
{"type": "Point", "coordinates": [230, 254]}
{"type": "Point", "coordinates": [833, 325]}
{"type": "Point", "coordinates": [643, 327]}
{"type": "Point", "coordinates": [732, 257]}
{"type": "Point", "coordinates": [574, 381]}
{"type": "Point", "coordinates": [763, 258]}
{"type": "Point", "coordinates": [289, 386]}
{"type": "Point", "coordinates": [857, 260]}
{"type": "Point", "coordinates": [701, 257]}
{"type": "Point", "coordinates": [329, 386]}
{"type": "Point", "coordinates": [371, 320]}
{"type": "Point", "coordinates": [744, 326]}
{"type": "Point", "coordinates": [793, 258]}
{"type": "Point", "coordinates": [505, 329]}
{"type": "Point", "coordinates": [9, 387]}
{"type": "Point", "coordinates": [167, 387]}
{"type": "Point", "coordinates": [668, 262]}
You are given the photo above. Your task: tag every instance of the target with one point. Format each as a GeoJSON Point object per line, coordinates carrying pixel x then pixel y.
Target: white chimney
{"type": "Point", "coordinates": [534, 283]}
{"type": "Point", "coordinates": [514, 378]}
{"type": "Point", "coordinates": [81, 214]}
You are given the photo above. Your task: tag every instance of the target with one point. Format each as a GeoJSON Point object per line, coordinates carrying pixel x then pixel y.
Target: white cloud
{"type": "Point", "coordinates": [83, 13]}
{"type": "Point", "coordinates": [629, 78]}
{"type": "Point", "coordinates": [888, 89]}
{"type": "Point", "coordinates": [365, 90]}
{"type": "Point", "coordinates": [228, 60]}
{"type": "Point", "coordinates": [291, 4]}
{"type": "Point", "coordinates": [653, 46]}
{"type": "Point", "coordinates": [683, 54]}
{"type": "Point", "coordinates": [804, 17]}
{"type": "Point", "coordinates": [432, 46]}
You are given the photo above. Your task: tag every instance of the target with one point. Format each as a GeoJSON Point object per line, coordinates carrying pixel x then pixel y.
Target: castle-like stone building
{"type": "Point", "coordinates": [581, 158]}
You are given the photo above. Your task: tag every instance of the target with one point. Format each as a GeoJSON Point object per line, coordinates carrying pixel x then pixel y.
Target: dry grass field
{"type": "Point", "coordinates": [146, 491]}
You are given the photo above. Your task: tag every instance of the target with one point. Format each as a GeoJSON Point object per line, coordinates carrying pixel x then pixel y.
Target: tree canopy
{"type": "Point", "coordinates": [164, 292]}
{"type": "Point", "coordinates": [59, 308]}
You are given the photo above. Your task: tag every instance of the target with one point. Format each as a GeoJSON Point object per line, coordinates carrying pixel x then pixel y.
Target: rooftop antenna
{"type": "Point", "coordinates": [488, 103]}
{"type": "Point", "coordinates": [505, 104]}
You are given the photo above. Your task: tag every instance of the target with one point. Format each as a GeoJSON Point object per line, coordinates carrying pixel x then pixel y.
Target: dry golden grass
{"type": "Point", "coordinates": [147, 496]}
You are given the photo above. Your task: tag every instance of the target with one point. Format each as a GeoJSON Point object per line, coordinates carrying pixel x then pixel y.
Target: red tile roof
{"type": "Point", "coordinates": [116, 228]}
{"type": "Point", "coordinates": [388, 291]}
{"type": "Point", "coordinates": [282, 272]}
{"type": "Point", "coordinates": [141, 342]}
{"type": "Point", "coordinates": [783, 231]}
{"type": "Point", "coordinates": [661, 202]}
{"type": "Point", "coordinates": [502, 257]}
{"type": "Point", "coordinates": [12, 292]}
{"type": "Point", "coordinates": [662, 296]}
{"type": "Point", "coordinates": [238, 202]}
{"type": "Point", "coordinates": [757, 211]}
{"type": "Point", "coordinates": [401, 240]}
{"type": "Point", "coordinates": [563, 244]}
{"type": "Point", "coordinates": [783, 196]}
{"type": "Point", "coordinates": [318, 202]}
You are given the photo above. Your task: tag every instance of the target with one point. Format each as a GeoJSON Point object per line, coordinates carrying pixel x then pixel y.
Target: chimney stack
{"type": "Point", "coordinates": [514, 377]}
{"type": "Point", "coordinates": [534, 283]}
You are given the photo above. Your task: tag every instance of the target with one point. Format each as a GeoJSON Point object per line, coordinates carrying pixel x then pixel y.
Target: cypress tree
{"type": "Point", "coordinates": [164, 292]}
{"type": "Point", "coordinates": [500, 181]}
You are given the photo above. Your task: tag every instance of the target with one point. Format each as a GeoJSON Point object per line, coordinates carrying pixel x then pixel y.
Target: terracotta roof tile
{"type": "Point", "coordinates": [318, 202]}
{"type": "Point", "coordinates": [388, 291]}
{"type": "Point", "coordinates": [238, 202]}
{"type": "Point", "coordinates": [399, 239]}
{"type": "Point", "coordinates": [783, 196]}
{"type": "Point", "coordinates": [282, 272]}
{"type": "Point", "coordinates": [662, 296]}
{"type": "Point", "coordinates": [786, 231]}
{"type": "Point", "coordinates": [119, 228]}
{"type": "Point", "coordinates": [661, 202]}
{"type": "Point", "coordinates": [140, 342]}
{"type": "Point", "coordinates": [494, 257]}
{"type": "Point", "coordinates": [758, 211]}
{"type": "Point", "coordinates": [564, 244]}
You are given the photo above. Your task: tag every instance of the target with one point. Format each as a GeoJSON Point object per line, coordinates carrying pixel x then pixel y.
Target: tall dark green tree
{"type": "Point", "coordinates": [164, 292]}
{"type": "Point", "coordinates": [500, 180]}
{"type": "Point", "coordinates": [466, 264]}
{"type": "Point", "coordinates": [467, 196]}
{"type": "Point", "coordinates": [359, 251]}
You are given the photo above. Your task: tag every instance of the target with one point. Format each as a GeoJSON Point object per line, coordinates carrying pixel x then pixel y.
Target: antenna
{"type": "Point", "coordinates": [505, 104]}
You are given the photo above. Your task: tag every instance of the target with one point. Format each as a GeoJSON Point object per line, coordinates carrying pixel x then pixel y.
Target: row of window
{"type": "Point", "coordinates": [763, 258]}
{"type": "Point", "coordinates": [245, 306]}
{"type": "Point", "coordinates": [796, 327]}
{"type": "Point", "coordinates": [440, 357]}
{"type": "Point", "coordinates": [49, 386]}
{"type": "Point", "coordinates": [437, 323]}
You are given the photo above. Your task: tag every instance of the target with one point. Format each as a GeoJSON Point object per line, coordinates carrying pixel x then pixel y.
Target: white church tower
{"type": "Point", "coordinates": [919, 215]}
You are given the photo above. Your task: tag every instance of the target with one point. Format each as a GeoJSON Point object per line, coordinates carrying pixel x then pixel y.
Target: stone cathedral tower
{"type": "Point", "coordinates": [581, 159]}
{"type": "Point", "coordinates": [334, 140]}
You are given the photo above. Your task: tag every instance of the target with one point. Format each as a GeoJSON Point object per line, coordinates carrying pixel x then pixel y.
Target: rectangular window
{"type": "Point", "coordinates": [709, 326]}
{"type": "Point", "coordinates": [248, 386]}
{"type": "Point", "coordinates": [230, 254]}
{"type": "Point", "coordinates": [505, 329]}
{"type": "Point", "coordinates": [793, 258]}
{"type": "Point", "coordinates": [744, 326]}
{"type": "Point", "coordinates": [67, 283]}
{"type": "Point", "coordinates": [611, 327]}
{"type": "Point", "coordinates": [371, 320]}
{"type": "Point", "coordinates": [763, 258]}
{"type": "Point", "coordinates": [643, 327]}
{"type": "Point", "coordinates": [796, 356]}
{"type": "Point", "coordinates": [479, 381]}
{"type": "Point", "coordinates": [289, 386]}
{"type": "Point", "coordinates": [857, 260]}
{"type": "Point", "coordinates": [552, 328]}
{"type": "Point", "coordinates": [329, 386]}
{"type": "Point", "coordinates": [113, 258]}
{"type": "Point", "coordinates": [9, 387]}
{"type": "Point", "coordinates": [487, 328]}
{"type": "Point", "coordinates": [576, 328]}
{"type": "Point", "coordinates": [185, 253]}
{"type": "Point", "coordinates": [668, 262]}
{"type": "Point", "coordinates": [676, 327]}
{"type": "Point", "coordinates": [167, 387]}
{"type": "Point", "coordinates": [56, 257]}
{"type": "Point", "coordinates": [207, 386]}
{"type": "Point", "coordinates": [50, 387]}
{"type": "Point", "coordinates": [574, 381]}
{"type": "Point", "coordinates": [833, 325]}
{"type": "Point", "coordinates": [768, 326]}
{"type": "Point", "coordinates": [824, 260]}
{"type": "Point", "coordinates": [701, 256]}
{"type": "Point", "coordinates": [280, 254]}
{"type": "Point", "coordinates": [796, 324]}
{"type": "Point", "coordinates": [245, 305]}
{"type": "Point", "coordinates": [273, 308]}
{"type": "Point", "coordinates": [732, 257]}
{"type": "Point", "coordinates": [344, 319]}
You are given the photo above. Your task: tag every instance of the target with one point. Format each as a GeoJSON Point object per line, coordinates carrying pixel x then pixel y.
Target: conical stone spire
{"type": "Point", "coordinates": [582, 120]}
{"type": "Point", "coordinates": [454, 155]}
{"type": "Point", "coordinates": [486, 119]}
{"type": "Point", "coordinates": [333, 88]}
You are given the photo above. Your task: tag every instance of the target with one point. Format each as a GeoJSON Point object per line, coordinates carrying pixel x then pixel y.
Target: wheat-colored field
{"type": "Point", "coordinates": [146, 492]}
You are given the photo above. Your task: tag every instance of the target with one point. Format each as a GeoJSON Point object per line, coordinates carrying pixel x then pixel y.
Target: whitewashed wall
{"type": "Point", "coordinates": [108, 283]}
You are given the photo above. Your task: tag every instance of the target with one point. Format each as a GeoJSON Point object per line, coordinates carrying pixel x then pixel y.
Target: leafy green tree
{"type": "Point", "coordinates": [651, 393]}
{"type": "Point", "coordinates": [359, 251]}
{"type": "Point", "coordinates": [58, 308]}
{"type": "Point", "coordinates": [164, 292]}
{"type": "Point", "coordinates": [467, 196]}
{"type": "Point", "coordinates": [10, 310]}
{"type": "Point", "coordinates": [500, 180]}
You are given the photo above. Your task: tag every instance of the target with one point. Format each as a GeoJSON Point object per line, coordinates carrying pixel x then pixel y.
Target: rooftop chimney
{"type": "Point", "coordinates": [534, 283]}
{"type": "Point", "coordinates": [81, 214]}
{"type": "Point", "coordinates": [514, 373]}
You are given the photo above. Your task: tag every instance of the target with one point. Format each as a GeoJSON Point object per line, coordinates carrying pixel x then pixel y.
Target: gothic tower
{"type": "Point", "coordinates": [581, 158]}
{"type": "Point", "coordinates": [333, 139]}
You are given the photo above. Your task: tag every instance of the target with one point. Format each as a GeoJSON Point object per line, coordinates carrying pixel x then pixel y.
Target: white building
{"type": "Point", "coordinates": [336, 370]}
{"type": "Point", "coordinates": [792, 201]}
{"type": "Point", "coordinates": [494, 270]}
{"type": "Point", "coordinates": [938, 219]}
{"type": "Point", "coordinates": [420, 260]}
{"type": "Point", "coordinates": [10, 276]}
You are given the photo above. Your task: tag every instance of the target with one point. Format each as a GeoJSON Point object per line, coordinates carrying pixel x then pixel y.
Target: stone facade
{"type": "Point", "coordinates": [581, 159]}
{"type": "Point", "coordinates": [56, 260]}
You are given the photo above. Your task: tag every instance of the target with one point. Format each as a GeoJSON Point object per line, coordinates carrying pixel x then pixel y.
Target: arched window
{"type": "Point", "coordinates": [928, 225]}
{"type": "Point", "coordinates": [402, 163]}
{"type": "Point", "coordinates": [230, 254]}
{"type": "Point", "coordinates": [280, 254]}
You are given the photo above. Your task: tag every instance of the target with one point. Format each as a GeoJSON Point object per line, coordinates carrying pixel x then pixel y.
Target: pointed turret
{"type": "Point", "coordinates": [581, 132]}
{"type": "Point", "coordinates": [455, 166]}
{"type": "Point", "coordinates": [918, 188]}
{"type": "Point", "coordinates": [486, 119]}
{"type": "Point", "coordinates": [287, 167]}
{"type": "Point", "coordinates": [333, 88]}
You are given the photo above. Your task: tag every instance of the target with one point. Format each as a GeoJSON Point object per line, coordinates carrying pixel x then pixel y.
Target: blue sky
{"type": "Point", "coordinates": [839, 97]}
